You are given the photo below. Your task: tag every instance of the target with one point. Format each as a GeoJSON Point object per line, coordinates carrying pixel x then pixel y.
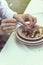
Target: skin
{"type": "Point", "coordinates": [9, 25]}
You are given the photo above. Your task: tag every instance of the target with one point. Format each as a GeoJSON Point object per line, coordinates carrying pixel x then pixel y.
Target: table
{"type": "Point", "coordinates": [14, 53]}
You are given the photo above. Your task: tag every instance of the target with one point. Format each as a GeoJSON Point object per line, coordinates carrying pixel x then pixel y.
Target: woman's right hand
{"type": "Point", "coordinates": [8, 25]}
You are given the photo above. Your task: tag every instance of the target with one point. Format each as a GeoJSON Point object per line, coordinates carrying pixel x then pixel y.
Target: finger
{"type": "Point", "coordinates": [33, 22]}
{"type": "Point", "coordinates": [7, 24]}
{"type": "Point", "coordinates": [9, 20]}
{"type": "Point", "coordinates": [27, 17]}
{"type": "Point", "coordinates": [24, 23]}
{"type": "Point", "coordinates": [9, 28]}
{"type": "Point", "coordinates": [9, 31]}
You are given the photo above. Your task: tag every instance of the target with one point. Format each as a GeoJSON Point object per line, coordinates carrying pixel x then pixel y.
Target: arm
{"type": "Point", "coordinates": [5, 10]}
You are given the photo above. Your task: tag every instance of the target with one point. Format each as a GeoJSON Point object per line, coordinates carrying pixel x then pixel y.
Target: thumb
{"type": "Point", "coordinates": [24, 23]}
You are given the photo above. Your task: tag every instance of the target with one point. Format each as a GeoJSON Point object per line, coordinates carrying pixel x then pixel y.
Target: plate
{"type": "Point", "coordinates": [27, 41]}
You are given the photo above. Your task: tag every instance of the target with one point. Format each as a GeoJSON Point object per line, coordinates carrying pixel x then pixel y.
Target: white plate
{"type": "Point", "coordinates": [22, 41]}
{"type": "Point", "coordinates": [27, 41]}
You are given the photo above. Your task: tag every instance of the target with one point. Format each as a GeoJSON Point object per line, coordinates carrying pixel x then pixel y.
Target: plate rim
{"type": "Point", "coordinates": [26, 43]}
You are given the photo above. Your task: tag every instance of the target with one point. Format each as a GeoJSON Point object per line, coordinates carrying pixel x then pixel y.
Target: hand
{"type": "Point", "coordinates": [23, 18]}
{"type": "Point", "coordinates": [8, 25]}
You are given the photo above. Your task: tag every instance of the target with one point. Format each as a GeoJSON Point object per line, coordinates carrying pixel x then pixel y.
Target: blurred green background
{"type": "Point", "coordinates": [18, 5]}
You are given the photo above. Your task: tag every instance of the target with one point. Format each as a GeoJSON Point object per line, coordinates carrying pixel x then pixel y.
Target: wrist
{"type": "Point", "coordinates": [17, 16]}
{"type": "Point", "coordinates": [14, 16]}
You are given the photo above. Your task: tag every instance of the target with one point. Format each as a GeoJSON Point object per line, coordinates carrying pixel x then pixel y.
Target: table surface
{"type": "Point", "coordinates": [14, 53]}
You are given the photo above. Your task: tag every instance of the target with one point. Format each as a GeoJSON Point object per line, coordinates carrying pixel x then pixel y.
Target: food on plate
{"type": "Point", "coordinates": [34, 32]}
